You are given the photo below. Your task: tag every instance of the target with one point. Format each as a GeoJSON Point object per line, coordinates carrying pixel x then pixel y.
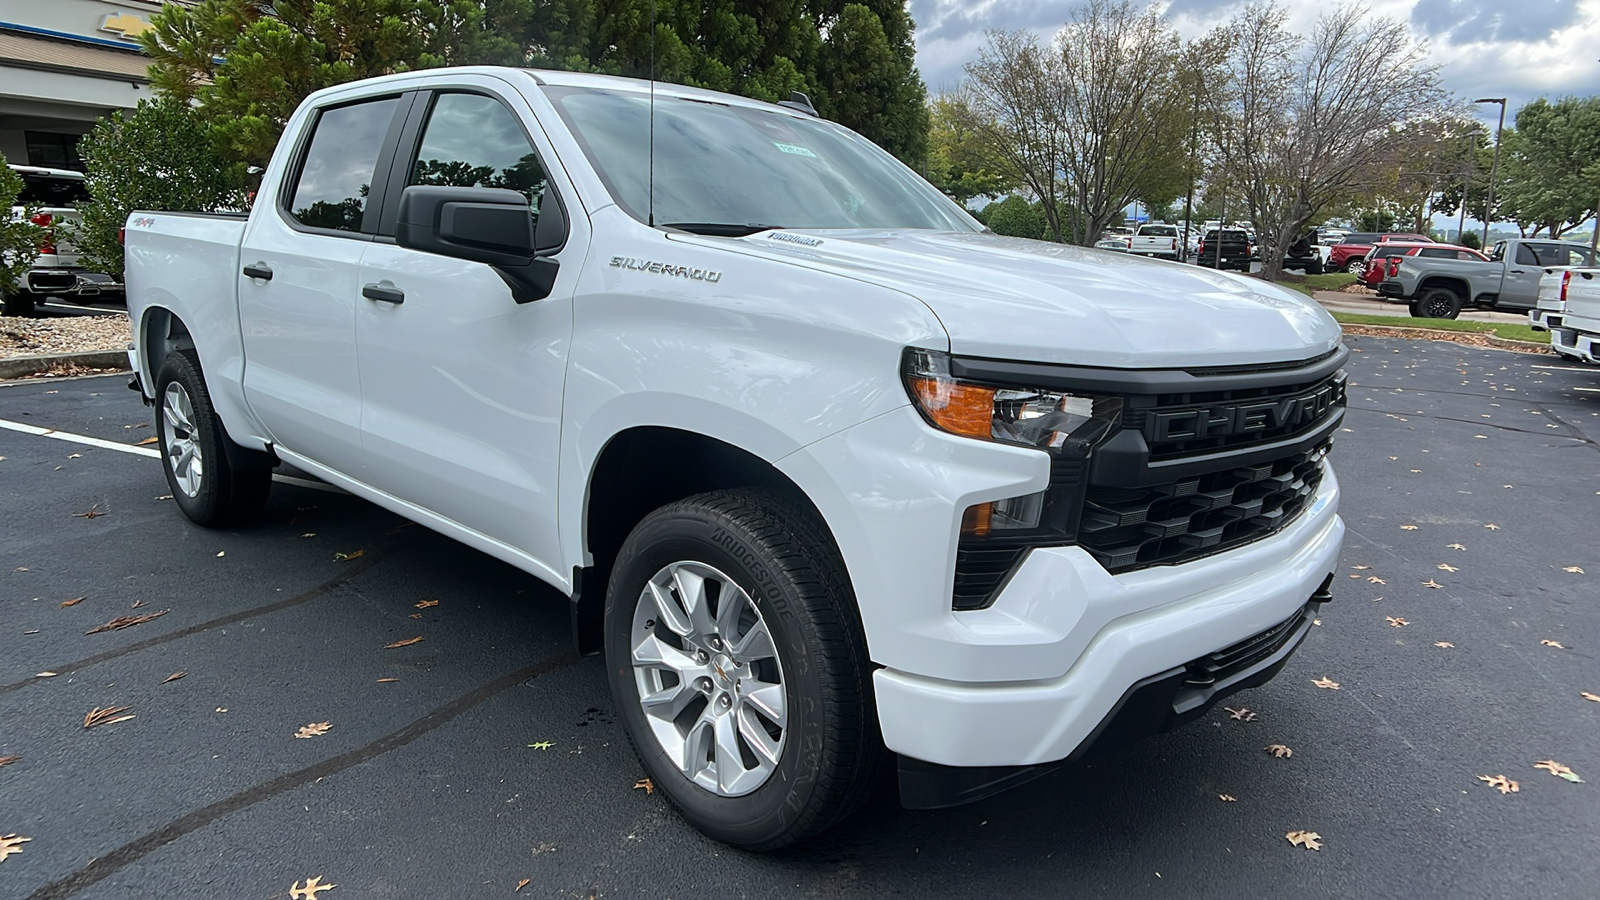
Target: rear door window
{"type": "Point", "coordinates": [336, 172]}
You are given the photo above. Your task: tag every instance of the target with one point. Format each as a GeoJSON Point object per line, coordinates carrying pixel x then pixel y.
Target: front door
{"type": "Point", "coordinates": [462, 386]}
{"type": "Point", "coordinates": [300, 282]}
{"type": "Point", "coordinates": [1519, 287]}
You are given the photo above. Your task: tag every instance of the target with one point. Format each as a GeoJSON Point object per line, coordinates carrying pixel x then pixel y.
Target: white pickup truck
{"type": "Point", "coordinates": [1158, 240]}
{"type": "Point", "coordinates": [1569, 308]}
{"type": "Point", "coordinates": [827, 470]}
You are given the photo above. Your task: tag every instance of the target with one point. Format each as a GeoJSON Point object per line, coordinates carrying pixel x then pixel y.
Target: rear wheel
{"type": "Point", "coordinates": [17, 302]}
{"type": "Point", "coordinates": [204, 484]}
{"type": "Point", "coordinates": [1356, 266]}
{"type": "Point", "coordinates": [1437, 303]}
{"type": "Point", "coordinates": [738, 665]}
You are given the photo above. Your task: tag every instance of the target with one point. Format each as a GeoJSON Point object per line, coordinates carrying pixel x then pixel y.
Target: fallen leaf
{"type": "Point", "coordinates": [1397, 622]}
{"type": "Point", "coordinates": [1226, 798]}
{"type": "Point", "coordinates": [175, 676]}
{"type": "Point", "coordinates": [1492, 526]}
{"type": "Point", "coordinates": [11, 843]}
{"type": "Point", "coordinates": [1430, 583]}
{"type": "Point", "coordinates": [1558, 769]}
{"type": "Point", "coordinates": [521, 884]}
{"type": "Point", "coordinates": [1481, 437]}
{"type": "Point", "coordinates": [222, 709]}
{"type": "Point", "coordinates": [1445, 644]}
{"type": "Point", "coordinates": [73, 602]}
{"type": "Point", "coordinates": [164, 497]}
{"type": "Point", "coordinates": [1307, 839]}
{"type": "Point", "coordinates": [9, 759]}
{"type": "Point", "coordinates": [1460, 547]}
{"type": "Point", "coordinates": [415, 616]}
{"type": "Point", "coordinates": [1316, 621]}
{"type": "Point", "coordinates": [1500, 783]}
{"type": "Point", "coordinates": [424, 604]}
{"type": "Point", "coordinates": [98, 716]}
{"type": "Point", "coordinates": [1326, 682]}
{"type": "Point", "coordinates": [309, 892]}
{"type": "Point", "coordinates": [1278, 750]}
{"type": "Point", "coordinates": [75, 456]}
{"type": "Point", "coordinates": [1408, 528]}
{"type": "Point", "coordinates": [405, 643]}
{"type": "Point", "coordinates": [1362, 568]}
{"type": "Point", "coordinates": [1242, 714]}
{"type": "Point", "coordinates": [313, 730]}
{"type": "Point", "coordinates": [126, 622]}
{"type": "Point", "coordinates": [94, 512]}
{"type": "Point", "coordinates": [543, 745]}
{"type": "Point", "coordinates": [1373, 579]}
{"type": "Point", "coordinates": [309, 534]}
{"type": "Point", "coordinates": [45, 675]}
{"type": "Point", "coordinates": [1446, 567]}
{"type": "Point", "coordinates": [1588, 696]}
{"type": "Point", "coordinates": [646, 784]}
{"type": "Point", "coordinates": [1549, 643]}
{"type": "Point", "coordinates": [387, 680]}
{"type": "Point", "coordinates": [137, 604]}
{"type": "Point", "coordinates": [148, 441]}
{"type": "Point", "coordinates": [1576, 570]}
{"type": "Point", "coordinates": [353, 554]}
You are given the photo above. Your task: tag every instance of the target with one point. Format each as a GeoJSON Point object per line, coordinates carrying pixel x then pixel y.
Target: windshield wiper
{"type": "Point", "coordinates": [720, 229]}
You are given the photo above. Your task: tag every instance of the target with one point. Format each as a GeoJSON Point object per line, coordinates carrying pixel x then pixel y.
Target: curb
{"type": "Point", "coordinates": [23, 366]}
{"type": "Point", "coordinates": [1435, 334]}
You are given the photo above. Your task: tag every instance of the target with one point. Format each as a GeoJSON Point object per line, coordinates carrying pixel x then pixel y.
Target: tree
{"type": "Point", "coordinates": [960, 161]}
{"type": "Point", "coordinates": [20, 238]}
{"type": "Point", "coordinates": [1551, 177]}
{"type": "Point", "coordinates": [161, 156]}
{"type": "Point", "coordinates": [1012, 87]}
{"type": "Point", "coordinates": [1306, 123]}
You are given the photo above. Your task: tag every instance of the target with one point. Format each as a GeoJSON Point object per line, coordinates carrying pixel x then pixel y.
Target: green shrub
{"type": "Point", "coordinates": [19, 237]}
{"type": "Point", "coordinates": [161, 157]}
{"type": "Point", "coordinates": [1016, 217]}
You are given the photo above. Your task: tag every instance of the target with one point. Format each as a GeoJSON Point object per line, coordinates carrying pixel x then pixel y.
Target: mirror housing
{"type": "Point", "coordinates": [487, 225]}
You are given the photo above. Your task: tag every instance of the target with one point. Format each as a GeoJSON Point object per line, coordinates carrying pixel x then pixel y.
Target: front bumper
{"type": "Point", "coordinates": [1115, 632]}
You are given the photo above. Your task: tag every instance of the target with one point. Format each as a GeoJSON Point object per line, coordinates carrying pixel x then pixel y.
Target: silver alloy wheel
{"type": "Point", "coordinates": [709, 678]}
{"type": "Point", "coordinates": [183, 445]}
{"type": "Point", "coordinates": [1356, 267]}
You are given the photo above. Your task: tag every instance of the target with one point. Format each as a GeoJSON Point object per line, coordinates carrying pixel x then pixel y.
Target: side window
{"type": "Point", "coordinates": [474, 141]}
{"type": "Point", "coordinates": [1468, 255]}
{"type": "Point", "coordinates": [1498, 254]}
{"type": "Point", "coordinates": [337, 170]}
{"type": "Point", "coordinates": [1526, 256]}
{"type": "Point", "coordinates": [1434, 253]}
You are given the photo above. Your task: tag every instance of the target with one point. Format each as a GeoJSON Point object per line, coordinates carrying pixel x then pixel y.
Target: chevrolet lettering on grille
{"type": "Point", "coordinates": [1222, 420]}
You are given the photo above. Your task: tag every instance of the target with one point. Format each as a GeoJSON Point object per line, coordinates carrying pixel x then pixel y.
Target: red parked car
{"type": "Point", "coordinates": [1384, 260]}
{"type": "Point", "coordinates": [1349, 253]}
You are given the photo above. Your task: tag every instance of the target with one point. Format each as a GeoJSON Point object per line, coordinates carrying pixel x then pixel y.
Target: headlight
{"type": "Point", "coordinates": [1046, 419]}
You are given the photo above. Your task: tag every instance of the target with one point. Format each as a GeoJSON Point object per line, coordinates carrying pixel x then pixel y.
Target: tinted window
{"type": "Point", "coordinates": [1360, 239]}
{"type": "Point", "coordinates": [1498, 254]}
{"type": "Point", "coordinates": [1526, 256]}
{"type": "Point", "coordinates": [337, 171]}
{"type": "Point", "coordinates": [1159, 231]}
{"type": "Point", "coordinates": [475, 141]}
{"type": "Point", "coordinates": [1559, 255]}
{"type": "Point", "coordinates": [1437, 253]}
{"type": "Point", "coordinates": [1386, 252]}
{"type": "Point", "coordinates": [731, 164]}
{"type": "Point", "coordinates": [51, 190]}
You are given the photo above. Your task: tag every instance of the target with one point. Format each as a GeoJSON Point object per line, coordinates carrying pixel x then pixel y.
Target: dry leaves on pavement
{"type": "Point", "coordinates": [1307, 839]}
{"type": "Point", "coordinates": [1576, 570]}
{"type": "Point", "coordinates": [9, 758]}
{"type": "Point", "coordinates": [73, 602]}
{"type": "Point", "coordinates": [1397, 622]}
{"type": "Point", "coordinates": [353, 554]}
{"type": "Point", "coordinates": [148, 441]}
{"type": "Point", "coordinates": [126, 622]}
{"type": "Point", "coordinates": [175, 676]}
{"type": "Point", "coordinates": [1445, 644]}
{"type": "Point", "coordinates": [1279, 751]}
{"type": "Point", "coordinates": [1408, 528]}
{"type": "Point", "coordinates": [1446, 567]}
{"type": "Point", "coordinates": [1430, 583]}
{"type": "Point", "coordinates": [106, 716]}
{"type": "Point", "coordinates": [11, 843]}
{"type": "Point", "coordinates": [387, 680]}
{"type": "Point", "coordinates": [1376, 580]}
{"type": "Point", "coordinates": [1242, 714]}
{"type": "Point", "coordinates": [1549, 643]}
{"type": "Point", "coordinates": [1326, 682]}
{"type": "Point", "coordinates": [1461, 547]}
{"type": "Point", "coordinates": [424, 604]}
{"type": "Point", "coordinates": [1227, 798]}
{"type": "Point", "coordinates": [1559, 770]}
{"type": "Point", "coordinates": [542, 745]}
{"type": "Point", "coordinates": [405, 643]}
{"type": "Point", "coordinates": [1500, 783]}
{"type": "Point", "coordinates": [521, 884]}
{"type": "Point", "coordinates": [1588, 696]}
{"type": "Point", "coordinates": [313, 730]}
{"type": "Point", "coordinates": [1492, 526]}
{"type": "Point", "coordinates": [646, 785]}
{"type": "Point", "coordinates": [93, 513]}
{"type": "Point", "coordinates": [311, 889]}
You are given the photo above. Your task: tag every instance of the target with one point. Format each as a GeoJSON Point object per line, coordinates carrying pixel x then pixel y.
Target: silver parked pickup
{"type": "Point", "coordinates": [1441, 288]}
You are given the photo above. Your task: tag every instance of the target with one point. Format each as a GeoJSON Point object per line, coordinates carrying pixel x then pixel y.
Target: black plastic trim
{"type": "Point", "coordinates": [1094, 379]}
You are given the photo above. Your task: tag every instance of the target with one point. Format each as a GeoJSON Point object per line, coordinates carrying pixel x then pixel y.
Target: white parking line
{"type": "Point", "coordinates": [1562, 368]}
{"type": "Point", "coordinates": [150, 452]}
{"type": "Point", "coordinates": [1590, 390]}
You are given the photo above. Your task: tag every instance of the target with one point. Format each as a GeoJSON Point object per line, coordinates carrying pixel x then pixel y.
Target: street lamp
{"type": "Point", "coordinates": [1494, 167]}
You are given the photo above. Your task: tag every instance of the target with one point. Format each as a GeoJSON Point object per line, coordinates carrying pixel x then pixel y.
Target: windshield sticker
{"type": "Point", "coordinates": [794, 149]}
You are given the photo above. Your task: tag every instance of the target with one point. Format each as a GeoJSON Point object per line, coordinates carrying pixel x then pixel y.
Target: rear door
{"type": "Point", "coordinates": [300, 280]}
{"type": "Point", "coordinates": [462, 386]}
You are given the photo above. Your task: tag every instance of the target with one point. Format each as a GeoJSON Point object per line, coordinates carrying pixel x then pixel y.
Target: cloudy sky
{"type": "Point", "coordinates": [1520, 49]}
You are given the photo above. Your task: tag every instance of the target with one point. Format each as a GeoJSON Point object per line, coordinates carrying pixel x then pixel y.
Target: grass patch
{"type": "Point", "coordinates": [1331, 281]}
{"type": "Point", "coordinates": [1509, 331]}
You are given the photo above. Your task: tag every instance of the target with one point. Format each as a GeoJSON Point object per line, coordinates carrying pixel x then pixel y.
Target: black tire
{"type": "Point", "coordinates": [1315, 268]}
{"type": "Point", "coordinates": [223, 495]}
{"type": "Point", "coordinates": [1355, 266]}
{"type": "Point", "coordinates": [1438, 303]}
{"type": "Point", "coordinates": [1415, 309]}
{"type": "Point", "coordinates": [18, 303]}
{"type": "Point", "coordinates": [778, 552]}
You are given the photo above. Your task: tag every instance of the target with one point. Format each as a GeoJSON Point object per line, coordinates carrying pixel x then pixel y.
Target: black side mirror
{"type": "Point", "coordinates": [487, 225]}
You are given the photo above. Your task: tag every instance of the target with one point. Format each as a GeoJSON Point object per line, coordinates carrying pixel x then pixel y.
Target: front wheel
{"type": "Point", "coordinates": [204, 484]}
{"type": "Point", "coordinates": [738, 666]}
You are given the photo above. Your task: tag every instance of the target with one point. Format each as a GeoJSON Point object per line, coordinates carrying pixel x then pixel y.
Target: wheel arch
{"type": "Point", "coordinates": [1460, 286]}
{"type": "Point", "coordinates": [161, 331]}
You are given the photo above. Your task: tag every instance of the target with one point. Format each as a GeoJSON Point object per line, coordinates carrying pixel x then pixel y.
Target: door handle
{"type": "Point", "coordinates": [1516, 272]}
{"type": "Point", "coordinates": [384, 293]}
{"type": "Point", "coordinates": [259, 270]}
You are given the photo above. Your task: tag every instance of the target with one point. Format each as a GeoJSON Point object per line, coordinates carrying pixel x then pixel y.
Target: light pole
{"type": "Point", "coordinates": [1494, 167]}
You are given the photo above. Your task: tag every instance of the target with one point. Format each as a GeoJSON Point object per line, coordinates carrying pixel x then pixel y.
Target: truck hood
{"type": "Point", "coordinates": [1008, 298]}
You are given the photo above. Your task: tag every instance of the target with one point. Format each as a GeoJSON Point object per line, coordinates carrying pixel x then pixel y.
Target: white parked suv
{"type": "Point", "coordinates": [58, 272]}
{"type": "Point", "coordinates": [827, 470]}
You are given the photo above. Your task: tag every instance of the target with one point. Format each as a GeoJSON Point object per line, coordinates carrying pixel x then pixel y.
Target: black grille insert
{"type": "Point", "coordinates": [1197, 422]}
{"type": "Point", "coordinates": [1132, 528]}
{"type": "Point", "coordinates": [1218, 666]}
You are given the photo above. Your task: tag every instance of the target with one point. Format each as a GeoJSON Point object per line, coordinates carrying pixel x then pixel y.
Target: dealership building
{"type": "Point", "coordinates": [64, 64]}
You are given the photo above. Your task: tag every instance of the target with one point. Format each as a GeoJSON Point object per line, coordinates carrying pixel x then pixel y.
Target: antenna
{"type": "Point", "coordinates": [651, 214]}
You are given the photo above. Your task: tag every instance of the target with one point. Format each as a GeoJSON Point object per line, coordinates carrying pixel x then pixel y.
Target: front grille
{"type": "Point", "coordinates": [1197, 422]}
{"type": "Point", "coordinates": [1132, 528]}
{"type": "Point", "coordinates": [1218, 666]}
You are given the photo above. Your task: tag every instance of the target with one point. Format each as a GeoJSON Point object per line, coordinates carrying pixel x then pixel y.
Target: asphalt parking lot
{"type": "Point", "coordinates": [486, 754]}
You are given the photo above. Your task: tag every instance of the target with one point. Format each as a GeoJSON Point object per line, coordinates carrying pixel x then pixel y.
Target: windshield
{"type": "Point", "coordinates": [1158, 231]}
{"type": "Point", "coordinates": [51, 190]}
{"type": "Point", "coordinates": [718, 164]}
